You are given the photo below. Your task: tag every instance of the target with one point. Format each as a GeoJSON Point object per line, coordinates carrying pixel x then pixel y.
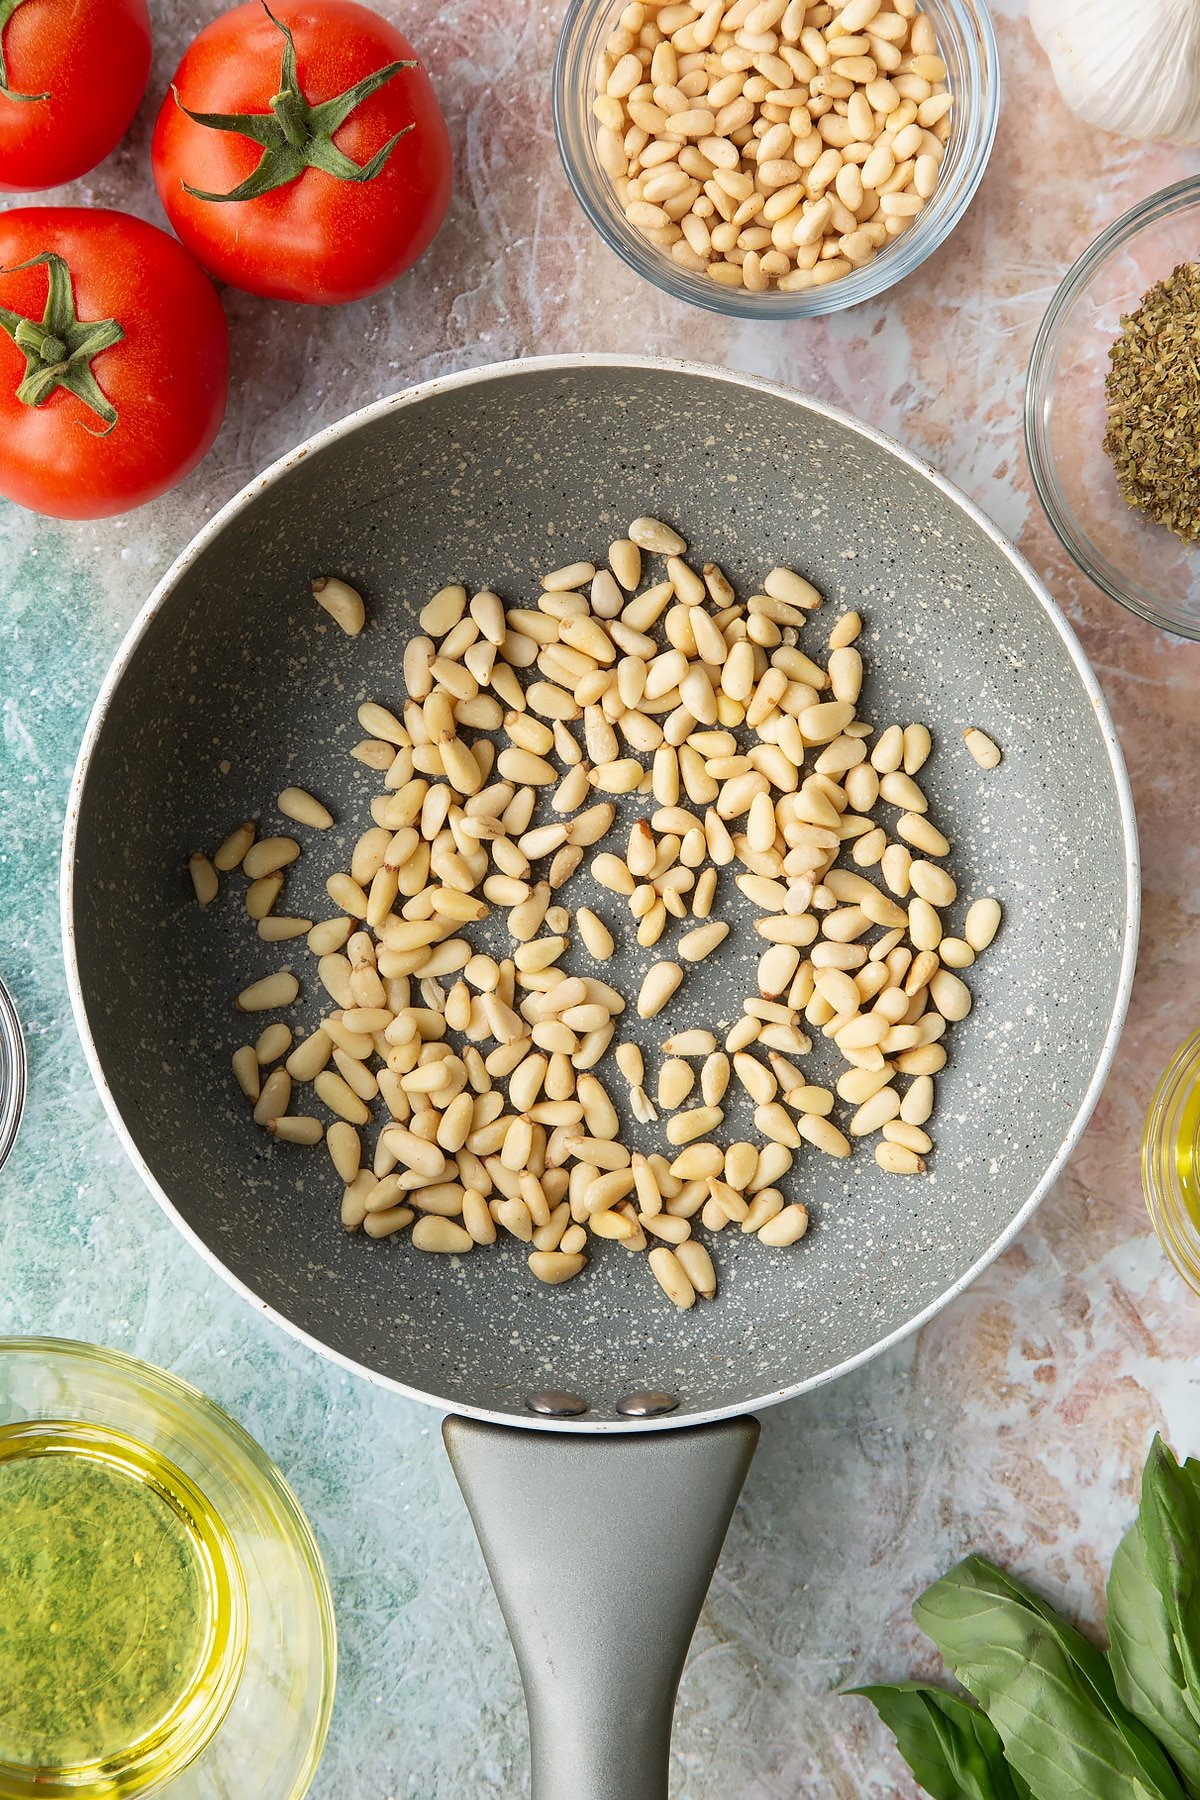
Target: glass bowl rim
{"type": "Point", "coordinates": [1120, 231]}
{"type": "Point", "coordinates": [876, 278]}
{"type": "Point", "coordinates": [183, 1396]}
{"type": "Point", "coordinates": [1173, 1225]}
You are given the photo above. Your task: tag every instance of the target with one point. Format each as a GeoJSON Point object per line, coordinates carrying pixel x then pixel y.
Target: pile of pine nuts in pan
{"type": "Point", "coordinates": [500, 782]}
{"type": "Point", "coordinates": [772, 143]}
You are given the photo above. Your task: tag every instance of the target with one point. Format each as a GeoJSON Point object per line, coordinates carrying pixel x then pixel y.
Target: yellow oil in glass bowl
{"type": "Point", "coordinates": [1171, 1161]}
{"type": "Point", "coordinates": [131, 1502]}
{"type": "Point", "coordinates": [122, 1613]}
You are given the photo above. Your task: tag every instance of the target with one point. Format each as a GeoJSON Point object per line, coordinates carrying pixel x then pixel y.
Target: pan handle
{"type": "Point", "coordinates": [601, 1552]}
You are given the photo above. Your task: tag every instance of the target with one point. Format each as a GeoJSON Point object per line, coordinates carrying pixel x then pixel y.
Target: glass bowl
{"type": "Point", "coordinates": [1171, 1161]}
{"type": "Point", "coordinates": [967, 45]}
{"type": "Point", "coordinates": [1140, 563]}
{"type": "Point", "coordinates": [256, 1724]}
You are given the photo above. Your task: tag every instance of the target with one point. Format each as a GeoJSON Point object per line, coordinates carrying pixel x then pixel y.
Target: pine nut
{"type": "Point", "coordinates": [660, 982]}
{"type": "Point", "coordinates": [539, 1155]}
{"type": "Point", "coordinates": [696, 1122]}
{"type": "Point", "coordinates": [556, 1266]}
{"type": "Point", "coordinates": [899, 789]}
{"type": "Point", "coordinates": [982, 923]}
{"type": "Point", "coordinates": [204, 878]}
{"type": "Point", "coordinates": [296, 803]}
{"type": "Point", "coordinates": [671, 1276]}
{"type": "Point", "coordinates": [767, 1204]}
{"type": "Point", "coordinates": [933, 884]}
{"type": "Point", "coordinates": [442, 1236]}
{"type": "Point", "coordinates": [675, 1082]}
{"type": "Point", "coordinates": [271, 991]}
{"type": "Point", "coordinates": [268, 856]}
{"type": "Point", "coordinates": [911, 1137]}
{"type": "Point", "coordinates": [874, 1113]}
{"type": "Point", "coordinates": [230, 854]}
{"type": "Point", "coordinates": [343, 603]}
{"type": "Point", "coordinates": [655, 536]}
{"type": "Point", "coordinates": [918, 831]}
{"type": "Point", "coordinates": [917, 1104]}
{"type": "Point", "coordinates": [898, 1160]}
{"type": "Point", "coordinates": [823, 1134]}
{"type": "Point", "coordinates": [951, 996]}
{"type": "Point", "coordinates": [785, 1227]}
{"type": "Point", "coordinates": [246, 1069]}
{"type": "Point", "coordinates": [956, 953]}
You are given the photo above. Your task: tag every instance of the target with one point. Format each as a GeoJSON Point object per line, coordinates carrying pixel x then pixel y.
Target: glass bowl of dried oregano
{"type": "Point", "coordinates": [1112, 410]}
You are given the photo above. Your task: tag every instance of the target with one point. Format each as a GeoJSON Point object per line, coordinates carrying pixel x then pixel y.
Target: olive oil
{"type": "Point", "coordinates": [122, 1613]}
{"type": "Point", "coordinates": [1187, 1154]}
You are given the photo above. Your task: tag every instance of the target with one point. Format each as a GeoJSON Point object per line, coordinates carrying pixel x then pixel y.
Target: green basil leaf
{"type": "Point", "coordinates": [1154, 1611]}
{"type": "Point", "coordinates": [951, 1747]}
{"type": "Point", "coordinates": [1172, 1495]}
{"type": "Point", "coordinates": [1049, 1693]}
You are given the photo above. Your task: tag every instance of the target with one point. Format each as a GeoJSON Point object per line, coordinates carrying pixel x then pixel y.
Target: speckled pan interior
{"type": "Point", "coordinates": [237, 686]}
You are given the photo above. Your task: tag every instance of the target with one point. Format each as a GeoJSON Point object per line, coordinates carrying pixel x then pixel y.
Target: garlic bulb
{"type": "Point", "coordinates": [1131, 66]}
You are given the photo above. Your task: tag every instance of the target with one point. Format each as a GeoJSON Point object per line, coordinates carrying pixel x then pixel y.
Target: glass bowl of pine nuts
{"type": "Point", "coordinates": [663, 112]}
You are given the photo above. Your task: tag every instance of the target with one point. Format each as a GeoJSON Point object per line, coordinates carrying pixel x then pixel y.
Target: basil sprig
{"type": "Point", "coordinates": [1053, 1718]}
{"type": "Point", "coordinates": [1049, 1693]}
{"type": "Point", "coordinates": [951, 1747]}
{"type": "Point", "coordinates": [1154, 1611]}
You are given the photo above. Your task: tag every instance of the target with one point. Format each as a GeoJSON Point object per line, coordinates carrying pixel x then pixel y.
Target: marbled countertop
{"type": "Point", "coordinates": [1017, 1421]}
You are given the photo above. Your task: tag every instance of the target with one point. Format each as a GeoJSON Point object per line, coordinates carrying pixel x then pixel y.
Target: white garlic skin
{"type": "Point", "coordinates": [1131, 66]}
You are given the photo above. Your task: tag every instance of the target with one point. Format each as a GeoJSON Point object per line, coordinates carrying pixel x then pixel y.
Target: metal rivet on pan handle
{"type": "Point", "coordinates": [555, 1403]}
{"type": "Point", "coordinates": [12, 1073]}
{"type": "Point", "coordinates": [648, 1404]}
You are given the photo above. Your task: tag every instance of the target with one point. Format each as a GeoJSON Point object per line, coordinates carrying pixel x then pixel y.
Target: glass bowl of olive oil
{"type": "Point", "coordinates": [1125, 551]}
{"type": "Point", "coordinates": [1171, 1161]}
{"type": "Point", "coordinates": [166, 1624]}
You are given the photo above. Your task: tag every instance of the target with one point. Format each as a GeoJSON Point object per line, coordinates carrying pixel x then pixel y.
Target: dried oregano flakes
{"type": "Point", "coordinates": [1153, 394]}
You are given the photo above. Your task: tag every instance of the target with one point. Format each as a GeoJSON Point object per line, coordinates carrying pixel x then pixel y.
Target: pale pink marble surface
{"type": "Point", "coordinates": [1017, 1422]}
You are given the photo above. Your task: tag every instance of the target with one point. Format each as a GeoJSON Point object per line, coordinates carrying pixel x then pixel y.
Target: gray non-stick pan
{"type": "Point", "coordinates": [232, 685]}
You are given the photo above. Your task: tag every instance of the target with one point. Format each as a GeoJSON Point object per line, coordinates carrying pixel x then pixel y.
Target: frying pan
{"type": "Point", "coordinates": [232, 685]}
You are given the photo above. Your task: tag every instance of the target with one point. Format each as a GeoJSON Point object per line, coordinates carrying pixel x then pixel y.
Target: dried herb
{"type": "Point", "coordinates": [1153, 393]}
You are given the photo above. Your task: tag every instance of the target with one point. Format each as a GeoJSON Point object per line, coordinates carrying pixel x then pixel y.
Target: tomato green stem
{"type": "Point", "coordinates": [7, 9]}
{"type": "Point", "coordinates": [295, 135]}
{"type": "Point", "coordinates": [59, 348]}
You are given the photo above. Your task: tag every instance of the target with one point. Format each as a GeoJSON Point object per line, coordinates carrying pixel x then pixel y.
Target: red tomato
{"type": "Point", "coordinates": [142, 399]}
{"type": "Point", "coordinates": [346, 198]}
{"type": "Point", "coordinates": [82, 69]}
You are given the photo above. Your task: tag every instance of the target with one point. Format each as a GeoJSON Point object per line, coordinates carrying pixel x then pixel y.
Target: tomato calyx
{"type": "Point", "coordinates": [296, 135]}
{"type": "Point", "coordinates": [7, 9]}
{"type": "Point", "coordinates": [59, 348]}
